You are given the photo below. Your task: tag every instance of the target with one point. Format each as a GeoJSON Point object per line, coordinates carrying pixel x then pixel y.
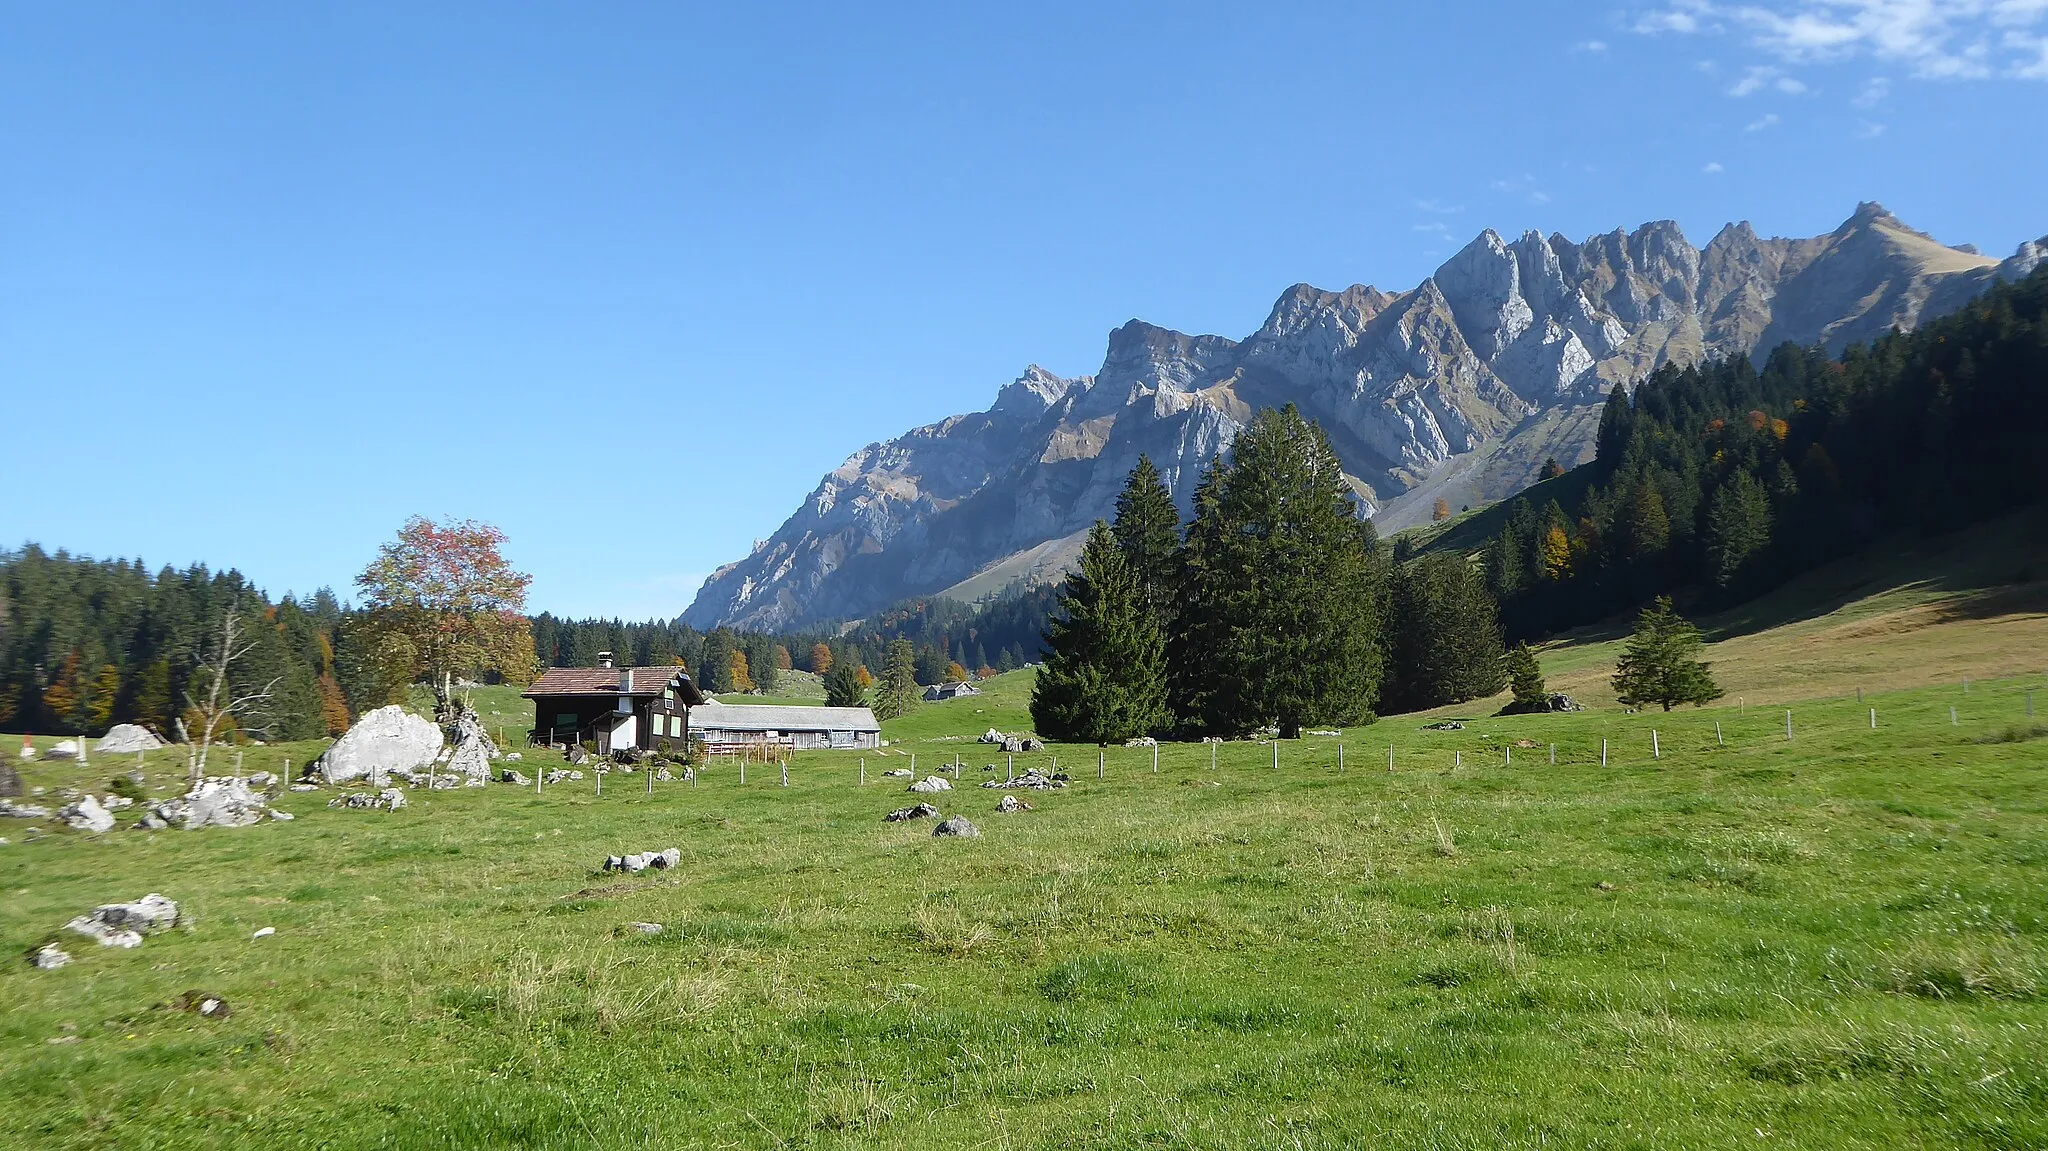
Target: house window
{"type": "Point", "coordinates": [565, 719]}
{"type": "Point", "coordinates": [675, 725]}
{"type": "Point", "coordinates": [668, 694]}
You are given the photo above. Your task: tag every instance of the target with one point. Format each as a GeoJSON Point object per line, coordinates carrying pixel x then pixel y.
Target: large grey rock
{"type": "Point", "coordinates": [62, 749]}
{"type": "Point", "coordinates": [957, 826]}
{"type": "Point", "coordinates": [125, 924]}
{"type": "Point", "coordinates": [86, 814]}
{"type": "Point", "coordinates": [49, 957]}
{"type": "Point", "coordinates": [387, 739]}
{"type": "Point", "coordinates": [128, 738]}
{"type": "Point", "coordinates": [931, 783]}
{"type": "Point", "coordinates": [905, 814]}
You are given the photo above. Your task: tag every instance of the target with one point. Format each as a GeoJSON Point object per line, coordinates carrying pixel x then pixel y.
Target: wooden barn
{"type": "Point", "coordinates": [611, 707]}
{"type": "Point", "coordinates": [732, 728]}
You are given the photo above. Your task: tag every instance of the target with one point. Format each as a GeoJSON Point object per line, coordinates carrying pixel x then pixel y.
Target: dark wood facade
{"type": "Point", "coordinates": [643, 707]}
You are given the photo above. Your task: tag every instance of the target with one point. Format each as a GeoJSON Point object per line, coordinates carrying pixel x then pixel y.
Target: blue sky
{"type": "Point", "coordinates": [275, 277]}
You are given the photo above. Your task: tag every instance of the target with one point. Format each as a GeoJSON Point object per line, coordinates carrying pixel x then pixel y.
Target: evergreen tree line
{"type": "Point", "coordinates": [1725, 479]}
{"type": "Point", "coordinates": [86, 644]}
{"type": "Point", "coordinates": [1275, 606]}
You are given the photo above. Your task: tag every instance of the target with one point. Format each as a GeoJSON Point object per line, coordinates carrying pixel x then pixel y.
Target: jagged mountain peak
{"type": "Point", "coordinates": [1457, 389]}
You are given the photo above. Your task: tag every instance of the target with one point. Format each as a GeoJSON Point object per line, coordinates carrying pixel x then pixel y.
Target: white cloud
{"type": "Point", "coordinates": [1757, 78]}
{"type": "Point", "coordinates": [1713, 168]}
{"type": "Point", "coordinates": [1438, 207]}
{"type": "Point", "coordinates": [1523, 186]}
{"type": "Point", "coordinates": [1767, 120]}
{"type": "Point", "coordinates": [1867, 130]}
{"type": "Point", "coordinates": [1873, 92]}
{"type": "Point", "coordinates": [1590, 46]}
{"type": "Point", "coordinates": [1931, 39]}
{"type": "Point", "coordinates": [1433, 228]}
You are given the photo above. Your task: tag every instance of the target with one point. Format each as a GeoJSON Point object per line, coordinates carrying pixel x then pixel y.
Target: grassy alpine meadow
{"type": "Point", "coordinates": [1832, 941]}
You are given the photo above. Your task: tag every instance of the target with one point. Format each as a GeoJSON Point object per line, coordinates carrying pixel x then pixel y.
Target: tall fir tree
{"type": "Point", "coordinates": [1447, 645]}
{"type": "Point", "coordinates": [843, 687]}
{"type": "Point", "coordinates": [1525, 679]}
{"type": "Point", "coordinates": [1147, 528]}
{"type": "Point", "coordinates": [1104, 679]}
{"type": "Point", "coordinates": [897, 694]}
{"type": "Point", "coordinates": [1277, 622]}
{"type": "Point", "coordinates": [1738, 528]}
{"type": "Point", "coordinates": [1659, 663]}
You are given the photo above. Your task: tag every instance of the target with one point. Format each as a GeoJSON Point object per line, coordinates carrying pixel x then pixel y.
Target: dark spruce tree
{"type": "Point", "coordinates": [1659, 664]}
{"type": "Point", "coordinates": [842, 685]}
{"type": "Point", "coordinates": [1147, 528]}
{"type": "Point", "coordinates": [1104, 678]}
{"type": "Point", "coordinates": [1447, 645]}
{"type": "Point", "coordinates": [1278, 621]}
{"type": "Point", "coordinates": [1525, 679]}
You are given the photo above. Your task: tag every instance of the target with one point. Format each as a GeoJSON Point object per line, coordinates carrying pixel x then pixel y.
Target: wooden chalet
{"type": "Point", "coordinates": [613, 707]}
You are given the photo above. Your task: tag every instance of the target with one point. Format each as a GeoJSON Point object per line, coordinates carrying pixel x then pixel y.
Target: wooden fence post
{"type": "Point", "coordinates": [1788, 723]}
{"type": "Point", "coordinates": [1098, 764]}
{"type": "Point", "coordinates": [1603, 753]}
{"type": "Point", "coordinates": [1655, 751]}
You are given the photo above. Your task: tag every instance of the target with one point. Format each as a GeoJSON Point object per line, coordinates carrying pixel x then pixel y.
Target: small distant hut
{"type": "Point", "coordinates": [954, 689]}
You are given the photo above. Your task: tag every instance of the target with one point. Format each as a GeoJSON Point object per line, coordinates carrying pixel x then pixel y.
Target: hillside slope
{"type": "Point", "coordinates": [1460, 387]}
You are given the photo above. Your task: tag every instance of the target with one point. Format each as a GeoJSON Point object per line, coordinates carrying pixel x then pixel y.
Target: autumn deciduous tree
{"type": "Point", "coordinates": [782, 660]}
{"type": "Point", "coordinates": [742, 678]}
{"type": "Point", "coordinates": [442, 601]}
{"type": "Point", "coordinates": [100, 701]}
{"type": "Point", "coordinates": [60, 699]}
{"type": "Point", "coordinates": [955, 673]}
{"type": "Point", "coordinates": [821, 658]}
{"type": "Point", "coordinates": [1440, 510]}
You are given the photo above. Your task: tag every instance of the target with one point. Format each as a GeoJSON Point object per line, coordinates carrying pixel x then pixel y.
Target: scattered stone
{"type": "Point", "coordinates": [1031, 744]}
{"type": "Point", "coordinates": [444, 783]}
{"type": "Point", "coordinates": [645, 928]}
{"type": "Point", "coordinates": [992, 736]}
{"type": "Point", "coordinates": [560, 776]}
{"type": "Point", "coordinates": [1013, 744]}
{"type": "Point", "coordinates": [1444, 725]}
{"type": "Point", "coordinates": [905, 814]}
{"type": "Point", "coordinates": [1325, 732]}
{"type": "Point", "coordinates": [384, 739]}
{"type": "Point", "coordinates": [658, 860]}
{"type": "Point", "coordinates": [1555, 701]}
{"type": "Point", "coordinates": [282, 816]}
{"type": "Point", "coordinates": [1603, 885]}
{"type": "Point", "coordinates": [956, 826]}
{"type": "Point", "coordinates": [261, 779]}
{"type": "Point", "coordinates": [1011, 805]}
{"type": "Point", "coordinates": [261, 932]}
{"type": "Point", "coordinates": [472, 760]}
{"type": "Point", "coordinates": [1032, 779]}
{"type": "Point", "coordinates": [128, 738]}
{"type": "Point", "coordinates": [896, 773]}
{"type": "Point", "coordinates": [217, 801]}
{"type": "Point", "coordinates": [1525, 744]}
{"type": "Point", "coordinates": [62, 749]}
{"type": "Point", "coordinates": [305, 787]}
{"type": "Point", "coordinates": [390, 799]}
{"type": "Point", "coordinates": [205, 1003]}
{"type": "Point", "coordinates": [124, 924]}
{"type": "Point", "coordinates": [87, 815]}
{"type": "Point", "coordinates": [514, 756]}
{"type": "Point", "coordinates": [513, 776]}
{"type": "Point", "coordinates": [23, 810]}
{"type": "Point", "coordinates": [49, 957]}
{"type": "Point", "coordinates": [116, 802]}
{"type": "Point", "coordinates": [931, 783]}
{"type": "Point", "coordinates": [1142, 741]}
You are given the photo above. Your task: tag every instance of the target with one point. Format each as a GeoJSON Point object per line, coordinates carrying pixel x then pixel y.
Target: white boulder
{"type": "Point", "coordinates": [385, 740]}
{"type": "Point", "coordinates": [217, 801]}
{"type": "Point", "coordinates": [931, 783]}
{"type": "Point", "coordinates": [129, 738]}
{"type": "Point", "coordinates": [62, 749]}
{"type": "Point", "coordinates": [86, 814]}
{"type": "Point", "coordinates": [124, 924]}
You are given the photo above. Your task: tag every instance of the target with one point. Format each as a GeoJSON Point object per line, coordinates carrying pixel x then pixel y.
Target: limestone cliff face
{"type": "Point", "coordinates": [1457, 388]}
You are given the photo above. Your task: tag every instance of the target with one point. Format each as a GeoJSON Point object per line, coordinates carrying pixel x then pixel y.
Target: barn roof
{"type": "Point", "coordinates": [716, 716]}
{"type": "Point", "coordinates": [607, 681]}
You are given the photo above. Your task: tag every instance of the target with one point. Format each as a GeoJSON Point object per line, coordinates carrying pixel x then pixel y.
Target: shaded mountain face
{"type": "Point", "coordinates": [1456, 389]}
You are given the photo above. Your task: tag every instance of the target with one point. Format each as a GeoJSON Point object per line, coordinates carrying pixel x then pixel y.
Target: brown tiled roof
{"type": "Point", "coordinates": [557, 681]}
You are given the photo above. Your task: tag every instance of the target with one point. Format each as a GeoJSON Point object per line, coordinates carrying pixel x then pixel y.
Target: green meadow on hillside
{"type": "Point", "coordinates": [1836, 941]}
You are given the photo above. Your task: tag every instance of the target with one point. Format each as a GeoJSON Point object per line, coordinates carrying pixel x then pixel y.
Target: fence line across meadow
{"type": "Point", "coordinates": [1604, 738]}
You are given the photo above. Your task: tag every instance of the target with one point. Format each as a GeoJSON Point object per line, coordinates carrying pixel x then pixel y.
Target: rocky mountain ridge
{"type": "Point", "coordinates": [1457, 388]}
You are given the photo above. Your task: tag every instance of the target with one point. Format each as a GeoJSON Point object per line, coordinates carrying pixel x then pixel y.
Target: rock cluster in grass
{"type": "Point", "coordinates": [513, 776]}
{"type": "Point", "coordinates": [658, 860]}
{"type": "Point", "coordinates": [1555, 701]}
{"type": "Point", "coordinates": [389, 799]}
{"type": "Point", "coordinates": [957, 827]}
{"type": "Point", "coordinates": [1032, 779]}
{"type": "Point", "coordinates": [125, 924]}
{"type": "Point", "coordinates": [1011, 805]}
{"type": "Point", "coordinates": [931, 783]}
{"type": "Point", "coordinates": [128, 738]}
{"type": "Point", "coordinates": [1444, 725]}
{"type": "Point", "coordinates": [87, 815]}
{"type": "Point", "coordinates": [382, 741]}
{"type": "Point", "coordinates": [216, 801]}
{"type": "Point", "coordinates": [23, 810]}
{"type": "Point", "coordinates": [905, 814]}
{"type": "Point", "coordinates": [560, 776]}
{"type": "Point", "coordinates": [48, 957]}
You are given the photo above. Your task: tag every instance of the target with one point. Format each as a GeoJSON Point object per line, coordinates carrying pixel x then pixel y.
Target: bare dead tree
{"type": "Point", "coordinates": [219, 704]}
